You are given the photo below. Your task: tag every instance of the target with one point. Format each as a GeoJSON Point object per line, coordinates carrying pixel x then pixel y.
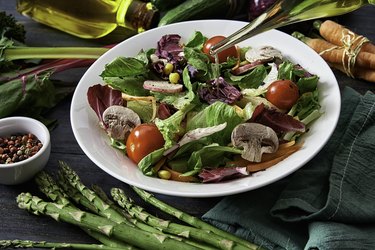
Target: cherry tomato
{"type": "Point", "coordinates": [142, 140]}
{"type": "Point", "coordinates": [223, 55]}
{"type": "Point", "coordinates": [283, 94]}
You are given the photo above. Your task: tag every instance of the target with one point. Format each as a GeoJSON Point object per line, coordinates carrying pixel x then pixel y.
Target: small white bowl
{"type": "Point", "coordinates": [19, 172]}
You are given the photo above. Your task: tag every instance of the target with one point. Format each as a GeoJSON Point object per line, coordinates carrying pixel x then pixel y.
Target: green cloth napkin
{"type": "Point", "coordinates": [327, 204]}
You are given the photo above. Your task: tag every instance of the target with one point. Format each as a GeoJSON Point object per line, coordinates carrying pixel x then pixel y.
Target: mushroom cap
{"type": "Point", "coordinates": [263, 54]}
{"type": "Point", "coordinates": [120, 121]}
{"type": "Point", "coordinates": [255, 139]}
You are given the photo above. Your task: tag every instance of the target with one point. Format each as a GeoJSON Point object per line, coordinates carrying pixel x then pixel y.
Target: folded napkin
{"type": "Point", "coordinates": [327, 204]}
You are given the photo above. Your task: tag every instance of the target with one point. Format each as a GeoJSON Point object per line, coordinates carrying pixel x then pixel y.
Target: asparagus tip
{"type": "Point", "coordinates": [317, 24]}
{"type": "Point", "coordinates": [298, 35]}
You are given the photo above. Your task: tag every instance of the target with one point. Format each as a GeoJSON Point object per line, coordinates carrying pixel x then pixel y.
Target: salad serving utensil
{"type": "Point", "coordinates": [285, 12]}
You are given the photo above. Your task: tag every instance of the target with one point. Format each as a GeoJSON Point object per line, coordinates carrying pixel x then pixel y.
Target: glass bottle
{"type": "Point", "coordinates": [285, 12]}
{"type": "Point", "coordinates": [93, 18]}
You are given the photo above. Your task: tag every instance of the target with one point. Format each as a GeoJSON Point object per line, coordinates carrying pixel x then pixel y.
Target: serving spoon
{"type": "Point", "coordinates": [285, 12]}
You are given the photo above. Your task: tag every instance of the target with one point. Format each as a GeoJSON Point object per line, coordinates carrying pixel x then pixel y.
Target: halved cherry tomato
{"type": "Point", "coordinates": [283, 94]}
{"type": "Point", "coordinates": [142, 140]}
{"type": "Point", "coordinates": [223, 55]}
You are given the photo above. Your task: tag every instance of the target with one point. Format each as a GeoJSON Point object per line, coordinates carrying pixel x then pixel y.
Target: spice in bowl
{"type": "Point", "coordinates": [18, 147]}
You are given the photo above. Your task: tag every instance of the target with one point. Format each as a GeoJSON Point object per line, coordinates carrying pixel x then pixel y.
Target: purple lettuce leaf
{"type": "Point", "coordinates": [278, 121]}
{"type": "Point", "coordinates": [101, 97]}
{"type": "Point", "coordinates": [219, 90]}
{"type": "Point", "coordinates": [169, 47]}
{"type": "Point", "coordinates": [169, 50]}
{"type": "Point", "coordinates": [215, 175]}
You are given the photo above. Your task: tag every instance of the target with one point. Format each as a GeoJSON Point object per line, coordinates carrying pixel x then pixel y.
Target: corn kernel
{"type": "Point", "coordinates": [174, 77]}
{"type": "Point", "coordinates": [168, 68]}
{"type": "Point", "coordinates": [164, 174]}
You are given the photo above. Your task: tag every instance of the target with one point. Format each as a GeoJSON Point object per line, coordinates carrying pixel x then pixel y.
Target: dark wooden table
{"type": "Point", "coordinates": [19, 224]}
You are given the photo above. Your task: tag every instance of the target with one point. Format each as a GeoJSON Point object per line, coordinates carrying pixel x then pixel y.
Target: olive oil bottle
{"type": "Point", "coordinates": [91, 18]}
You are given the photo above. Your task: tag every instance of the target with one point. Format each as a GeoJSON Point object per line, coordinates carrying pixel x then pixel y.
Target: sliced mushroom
{"type": "Point", "coordinates": [255, 139]}
{"type": "Point", "coordinates": [120, 121]}
{"type": "Point", "coordinates": [162, 86]}
{"type": "Point", "coordinates": [194, 135]}
{"type": "Point", "coordinates": [263, 54]}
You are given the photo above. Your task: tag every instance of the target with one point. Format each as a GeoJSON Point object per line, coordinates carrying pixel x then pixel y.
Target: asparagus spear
{"type": "Point", "coordinates": [48, 186]}
{"type": "Point", "coordinates": [107, 241]}
{"type": "Point", "coordinates": [191, 220]}
{"type": "Point", "coordinates": [103, 208]}
{"type": "Point", "coordinates": [75, 195]}
{"type": "Point", "coordinates": [51, 189]}
{"type": "Point", "coordinates": [170, 227]}
{"type": "Point", "coordinates": [140, 224]}
{"type": "Point", "coordinates": [52, 245]}
{"type": "Point", "coordinates": [135, 222]}
{"type": "Point", "coordinates": [68, 175]}
{"type": "Point", "coordinates": [131, 235]}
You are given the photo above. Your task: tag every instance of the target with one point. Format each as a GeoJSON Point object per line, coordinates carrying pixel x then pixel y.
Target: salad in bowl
{"type": "Point", "coordinates": [181, 114]}
{"type": "Point", "coordinates": [192, 109]}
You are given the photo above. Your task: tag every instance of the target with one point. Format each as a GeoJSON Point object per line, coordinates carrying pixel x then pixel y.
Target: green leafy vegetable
{"type": "Point", "coordinates": [197, 41]}
{"type": "Point", "coordinates": [172, 126]}
{"type": "Point", "coordinates": [128, 85]}
{"type": "Point", "coordinates": [307, 84]}
{"type": "Point", "coordinates": [125, 67]}
{"type": "Point", "coordinates": [216, 114]}
{"type": "Point", "coordinates": [207, 157]}
{"type": "Point", "coordinates": [28, 90]}
{"type": "Point", "coordinates": [253, 79]}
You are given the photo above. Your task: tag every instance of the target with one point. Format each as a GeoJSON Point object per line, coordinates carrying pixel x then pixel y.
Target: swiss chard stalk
{"type": "Point", "coordinates": [22, 53]}
{"type": "Point", "coordinates": [27, 89]}
{"type": "Point", "coordinates": [12, 36]}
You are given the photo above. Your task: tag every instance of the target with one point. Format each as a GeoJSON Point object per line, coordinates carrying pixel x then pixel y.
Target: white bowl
{"type": "Point", "coordinates": [95, 143]}
{"type": "Point", "coordinates": [19, 172]}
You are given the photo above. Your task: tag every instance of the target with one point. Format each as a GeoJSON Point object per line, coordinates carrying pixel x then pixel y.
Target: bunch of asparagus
{"type": "Point", "coordinates": [117, 223]}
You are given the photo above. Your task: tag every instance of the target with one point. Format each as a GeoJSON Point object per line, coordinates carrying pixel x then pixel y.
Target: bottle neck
{"type": "Point", "coordinates": [137, 15]}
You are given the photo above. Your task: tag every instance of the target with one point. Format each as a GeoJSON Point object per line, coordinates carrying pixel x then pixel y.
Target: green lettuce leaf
{"type": "Point", "coordinates": [212, 156]}
{"type": "Point", "coordinates": [196, 41]}
{"type": "Point", "coordinates": [125, 67]}
{"type": "Point", "coordinates": [172, 127]}
{"type": "Point", "coordinates": [128, 85]}
{"type": "Point", "coordinates": [213, 115]}
{"type": "Point", "coordinates": [128, 74]}
{"type": "Point", "coordinates": [306, 104]}
{"type": "Point", "coordinates": [307, 84]}
{"type": "Point", "coordinates": [286, 71]}
{"type": "Point", "coordinates": [197, 59]}
{"type": "Point", "coordinates": [253, 79]}
{"type": "Point", "coordinates": [143, 108]}
{"type": "Point", "coordinates": [147, 163]}
{"type": "Point", "coordinates": [179, 100]}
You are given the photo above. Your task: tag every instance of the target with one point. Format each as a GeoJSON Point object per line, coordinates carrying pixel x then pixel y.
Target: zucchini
{"type": "Point", "coordinates": [164, 5]}
{"type": "Point", "coordinates": [196, 9]}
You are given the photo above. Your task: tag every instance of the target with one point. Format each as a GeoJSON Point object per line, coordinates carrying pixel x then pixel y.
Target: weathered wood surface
{"type": "Point", "coordinates": [18, 224]}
